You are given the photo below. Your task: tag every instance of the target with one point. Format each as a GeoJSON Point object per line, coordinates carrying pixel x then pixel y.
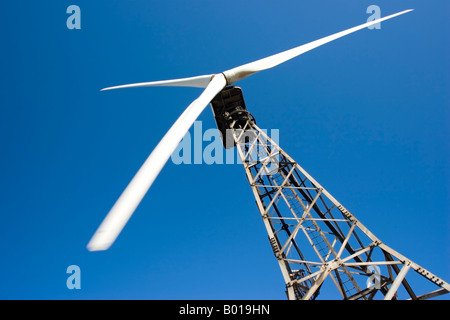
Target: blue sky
{"type": "Point", "coordinates": [366, 115]}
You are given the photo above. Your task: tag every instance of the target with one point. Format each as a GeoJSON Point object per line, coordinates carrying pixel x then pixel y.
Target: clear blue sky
{"type": "Point", "coordinates": [366, 115]}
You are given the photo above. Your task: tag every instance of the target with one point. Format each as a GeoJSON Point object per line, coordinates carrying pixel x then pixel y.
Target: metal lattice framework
{"type": "Point", "coordinates": [314, 237]}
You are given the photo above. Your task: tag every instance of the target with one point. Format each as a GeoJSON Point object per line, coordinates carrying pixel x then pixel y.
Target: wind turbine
{"type": "Point", "coordinates": [129, 200]}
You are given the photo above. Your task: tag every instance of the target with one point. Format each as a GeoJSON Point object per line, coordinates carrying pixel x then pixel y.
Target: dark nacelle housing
{"type": "Point", "coordinates": [230, 112]}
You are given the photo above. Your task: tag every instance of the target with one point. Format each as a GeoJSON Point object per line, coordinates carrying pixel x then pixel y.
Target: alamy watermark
{"type": "Point", "coordinates": [376, 14]}
{"type": "Point", "coordinates": [375, 279]}
{"type": "Point", "coordinates": [206, 147]}
{"type": "Point", "coordinates": [74, 20]}
{"type": "Point", "coordinates": [74, 280]}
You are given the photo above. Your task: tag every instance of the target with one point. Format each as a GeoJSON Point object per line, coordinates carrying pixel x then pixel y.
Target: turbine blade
{"type": "Point", "coordinates": [248, 69]}
{"type": "Point", "coordinates": [198, 82]}
{"type": "Point", "coordinates": [122, 210]}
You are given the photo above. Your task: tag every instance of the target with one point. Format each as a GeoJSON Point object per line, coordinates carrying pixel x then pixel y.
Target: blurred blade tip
{"type": "Point", "coordinates": [115, 87]}
{"type": "Point", "coordinates": [93, 246]}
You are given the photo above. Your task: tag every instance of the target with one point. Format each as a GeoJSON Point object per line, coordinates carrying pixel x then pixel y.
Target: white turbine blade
{"type": "Point", "coordinates": [197, 82]}
{"type": "Point", "coordinates": [122, 210]}
{"type": "Point", "coordinates": [248, 69]}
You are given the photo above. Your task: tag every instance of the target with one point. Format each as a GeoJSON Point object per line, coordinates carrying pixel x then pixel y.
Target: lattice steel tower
{"type": "Point", "coordinates": [312, 235]}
